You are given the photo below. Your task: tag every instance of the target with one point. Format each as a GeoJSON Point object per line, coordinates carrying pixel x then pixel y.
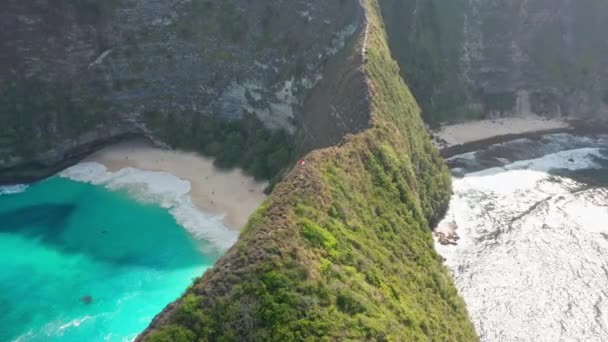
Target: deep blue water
{"type": "Point", "coordinates": [81, 263]}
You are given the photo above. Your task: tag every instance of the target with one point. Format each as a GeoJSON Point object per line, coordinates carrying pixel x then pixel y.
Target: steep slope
{"type": "Point", "coordinates": [77, 73]}
{"type": "Point", "coordinates": [471, 58]}
{"type": "Point", "coordinates": [342, 248]}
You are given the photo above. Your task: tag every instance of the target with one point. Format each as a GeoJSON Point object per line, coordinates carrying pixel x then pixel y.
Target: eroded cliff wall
{"type": "Point", "coordinates": [75, 73]}
{"type": "Point", "coordinates": [474, 58]}
{"type": "Point", "coordinates": [342, 249]}
{"type": "Point", "coordinates": [78, 73]}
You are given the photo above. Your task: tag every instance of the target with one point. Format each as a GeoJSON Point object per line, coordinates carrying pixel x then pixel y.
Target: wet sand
{"type": "Point", "coordinates": [229, 193]}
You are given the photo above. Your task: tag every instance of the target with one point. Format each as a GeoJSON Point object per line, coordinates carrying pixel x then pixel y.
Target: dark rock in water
{"type": "Point", "coordinates": [526, 148]}
{"type": "Point", "coordinates": [87, 300]}
{"type": "Point", "coordinates": [447, 239]}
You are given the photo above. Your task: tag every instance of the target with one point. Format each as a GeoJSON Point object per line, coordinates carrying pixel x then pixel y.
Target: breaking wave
{"type": "Point", "coordinates": [531, 260]}
{"type": "Point", "coordinates": [160, 188]}
{"type": "Point", "coordinates": [12, 189]}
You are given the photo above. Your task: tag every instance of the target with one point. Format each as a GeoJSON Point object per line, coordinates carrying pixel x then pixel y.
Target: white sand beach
{"type": "Point", "coordinates": [229, 193]}
{"type": "Point", "coordinates": [462, 133]}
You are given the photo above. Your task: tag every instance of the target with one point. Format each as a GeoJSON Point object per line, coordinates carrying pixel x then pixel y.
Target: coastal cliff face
{"type": "Point", "coordinates": [342, 248]}
{"type": "Point", "coordinates": [471, 58]}
{"type": "Point", "coordinates": [76, 73]}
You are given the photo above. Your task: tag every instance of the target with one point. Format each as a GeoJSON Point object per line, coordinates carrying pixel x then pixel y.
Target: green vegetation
{"type": "Point", "coordinates": [233, 24]}
{"type": "Point", "coordinates": [204, 17]}
{"type": "Point", "coordinates": [578, 75]}
{"type": "Point", "coordinates": [245, 143]}
{"type": "Point", "coordinates": [500, 102]}
{"type": "Point", "coordinates": [342, 249]}
{"type": "Point", "coordinates": [94, 8]}
{"type": "Point", "coordinates": [427, 46]}
{"type": "Point", "coordinates": [174, 334]}
{"type": "Point", "coordinates": [192, 26]}
{"type": "Point", "coordinates": [575, 66]}
{"type": "Point", "coordinates": [36, 115]}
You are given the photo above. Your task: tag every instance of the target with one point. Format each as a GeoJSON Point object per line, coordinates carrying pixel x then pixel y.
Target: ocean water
{"type": "Point", "coordinates": [95, 260]}
{"type": "Point", "coordinates": [532, 259]}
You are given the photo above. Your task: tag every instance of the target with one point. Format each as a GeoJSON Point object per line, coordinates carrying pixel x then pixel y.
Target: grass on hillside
{"type": "Point", "coordinates": [342, 248]}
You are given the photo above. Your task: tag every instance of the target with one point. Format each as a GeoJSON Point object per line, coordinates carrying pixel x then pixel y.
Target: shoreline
{"type": "Point", "coordinates": [448, 233]}
{"type": "Point", "coordinates": [574, 127]}
{"type": "Point", "coordinates": [454, 134]}
{"type": "Point", "coordinates": [520, 213]}
{"type": "Point", "coordinates": [105, 152]}
{"type": "Point", "coordinates": [231, 194]}
{"type": "Point", "coordinates": [43, 167]}
{"type": "Point", "coordinates": [228, 193]}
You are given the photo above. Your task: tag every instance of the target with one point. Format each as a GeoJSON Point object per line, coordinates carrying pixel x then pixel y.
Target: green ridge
{"type": "Point", "coordinates": [342, 249]}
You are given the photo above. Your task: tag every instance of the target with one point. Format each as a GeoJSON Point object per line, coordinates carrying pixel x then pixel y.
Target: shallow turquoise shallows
{"type": "Point", "coordinates": [82, 263]}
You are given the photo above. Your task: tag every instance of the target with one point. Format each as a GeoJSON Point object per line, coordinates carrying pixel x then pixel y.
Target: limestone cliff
{"type": "Point", "coordinates": [473, 58]}
{"type": "Point", "coordinates": [75, 73]}
{"type": "Point", "coordinates": [342, 249]}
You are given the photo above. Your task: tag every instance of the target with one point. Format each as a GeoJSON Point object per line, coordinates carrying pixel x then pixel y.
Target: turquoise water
{"type": "Point", "coordinates": [82, 263]}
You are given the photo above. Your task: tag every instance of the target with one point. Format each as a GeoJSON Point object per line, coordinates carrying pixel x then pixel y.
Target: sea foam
{"type": "Point", "coordinates": [531, 261]}
{"type": "Point", "coordinates": [161, 188]}
{"type": "Point", "coordinates": [75, 323]}
{"type": "Point", "coordinates": [12, 189]}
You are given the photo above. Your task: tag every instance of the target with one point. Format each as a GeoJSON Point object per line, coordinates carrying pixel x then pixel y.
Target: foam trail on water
{"type": "Point", "coordinates": [12, 189]}
{"type": "Point", "coordinates": [499, 155]}
{"type": "Point", "coordinates": [28, 335]}
{"type": "Point", "coordinates": [532, 259]}
{"type": "Point", "coordinates": [54, 330]}
{"type": "Point", "coordinates": [75, 323]}
{"type": "Point", "coordinates": [577, 159]}
{"type": "Point", "coordinates": [161, 188]}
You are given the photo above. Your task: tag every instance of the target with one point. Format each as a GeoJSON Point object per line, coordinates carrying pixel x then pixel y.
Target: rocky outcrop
{"type": "Point", "coordinates": [472, 58]}
{"type": "Point", "coordinates": [111, 63]}
{"type": "Point", "coordinates": [341, 249]}
{"type": "Point", "coordinates": [73, 69]}
{"type": "Point", "coordinates": [66, 154]}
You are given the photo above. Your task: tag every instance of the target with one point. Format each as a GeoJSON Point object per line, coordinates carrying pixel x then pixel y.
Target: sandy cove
{"type": "Point", "coordinates": [229, 193]}
{"type": "Point", "coordinates": [468, 132]}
